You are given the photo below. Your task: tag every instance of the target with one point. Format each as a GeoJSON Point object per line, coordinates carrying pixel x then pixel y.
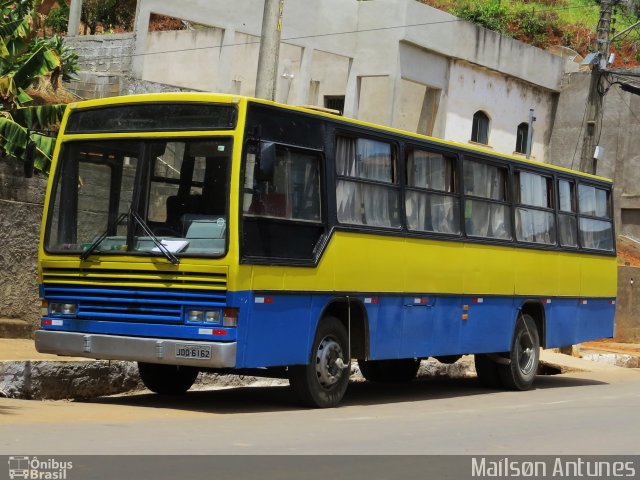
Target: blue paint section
{"type": "Point", "coordinates": [422, 326]}
{"type": "Point", "coordinates": [185, 332]}
{"type": "Point", "coordinates": [571, 321]}
{"type": "Point", "coordinates": [278, 329]}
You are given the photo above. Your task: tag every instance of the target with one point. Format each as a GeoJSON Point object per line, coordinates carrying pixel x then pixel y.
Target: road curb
{"type": "Point", "coordinates": [56, 380]}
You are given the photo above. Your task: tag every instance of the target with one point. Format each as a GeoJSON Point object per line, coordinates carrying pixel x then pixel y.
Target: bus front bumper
{"type": "Point", "coordinates": [148, 350]}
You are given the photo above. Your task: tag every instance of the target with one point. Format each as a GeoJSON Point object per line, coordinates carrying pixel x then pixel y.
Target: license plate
{"type": "Point", "coordinates": [196, 352]}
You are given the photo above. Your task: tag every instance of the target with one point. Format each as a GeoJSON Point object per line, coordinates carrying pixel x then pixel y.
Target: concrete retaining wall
{"type": "Point", "coordinates": [628, 305]}
{"type": "Point", "coordinates": [21, 201]}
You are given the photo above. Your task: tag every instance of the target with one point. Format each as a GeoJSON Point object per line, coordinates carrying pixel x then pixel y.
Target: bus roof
{"type": "Point", "coordinates": [239, 99]}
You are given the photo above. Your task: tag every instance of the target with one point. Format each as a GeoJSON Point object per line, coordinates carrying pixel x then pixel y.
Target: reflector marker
{"type": "Point", "coordinates": [477, 300]}
{"type": "Point", "coordinates": [53, 323]}
{"type": "Point", "coordinates": [264, 300]}
{"type": "Point", "coordinates": [465, 316]}
{"type": "Point", "coordinates": [420, 301]}
{"type": "Point", "coordinates": [205, 331]}
{"type": "Point", "coordinates": [371, 300]}
{"type": "Point", "coordinates": [583, 301]}
{"type": "Point", "coordinates": [547, 301]}
{"type": "Point", "coordinates": [612, 302]}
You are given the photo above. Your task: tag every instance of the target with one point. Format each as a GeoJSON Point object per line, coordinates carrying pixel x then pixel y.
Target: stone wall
{"type": "Point", "coordinates": [104, 60]}
{"type": "Point", "coordinates": [21, 201]}
{"type": "Point", "coordinates": [628, 305]}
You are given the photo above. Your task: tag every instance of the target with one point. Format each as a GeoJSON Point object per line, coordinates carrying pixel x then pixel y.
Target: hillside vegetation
{"type": "Point", "coordinates": [547, 23]}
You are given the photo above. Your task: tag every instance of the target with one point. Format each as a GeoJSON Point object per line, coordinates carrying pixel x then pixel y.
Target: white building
{"type": "Point", "coordinates": [396, 62]}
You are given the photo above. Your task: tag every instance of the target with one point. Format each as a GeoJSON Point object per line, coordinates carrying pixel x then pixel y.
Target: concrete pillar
{"type": "Point", "coordinates": [141, 30]}
{"type": "Point", "coordinates": [75, 11]}
{"type": "Point", "coordinates": [302, 80]}
{"type": "Point", "coordinates": [352, 93]}
{"type": "Point", "coordinates": [269, 49]}
{"type": "Point", "coordinates": [224, 74]}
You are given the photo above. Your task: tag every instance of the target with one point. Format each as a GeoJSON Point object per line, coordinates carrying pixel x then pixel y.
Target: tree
{"type": "Point", "coordinates": [27, 62]}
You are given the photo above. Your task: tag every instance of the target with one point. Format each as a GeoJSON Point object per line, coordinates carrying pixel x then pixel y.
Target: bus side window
{"type": "Point", "coordinates": [535, 217]}
{"type": "Point", "coordinates": [595, 224]}
{"type": "Point", "coordinates": [367, 188]}
{"type": "Point", "coordinates": [431, 203]}
{"type": "Point", "coordinates": [486, 213]}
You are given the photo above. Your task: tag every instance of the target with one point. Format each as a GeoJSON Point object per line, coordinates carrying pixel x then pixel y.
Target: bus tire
{"type": "Point", "coordinates": [487, 371]}
{"type": "Point", "coordinates": [323, 382]}
{"type": "Point", "coordinates": [167, 379]}
{"type": "Point", "coordinates": [401, 370]}
{"type": "Point", "coordinates": [524, 356]}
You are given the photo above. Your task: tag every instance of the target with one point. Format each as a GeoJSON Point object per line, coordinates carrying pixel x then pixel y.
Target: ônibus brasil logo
{"type": "Point", "coordinates": [38, 469]}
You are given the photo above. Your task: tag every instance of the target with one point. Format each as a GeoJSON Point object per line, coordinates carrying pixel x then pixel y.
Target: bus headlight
{"type": "Point", "coordinates": [63, 308]}
{"type": "Point", "coordinates": [194, 315]}
{"type": "Point", "coordinates": [212, 316]}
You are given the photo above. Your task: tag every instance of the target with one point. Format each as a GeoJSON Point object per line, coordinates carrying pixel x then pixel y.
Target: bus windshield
{"type": "Point", "coordinates": [153, 197]}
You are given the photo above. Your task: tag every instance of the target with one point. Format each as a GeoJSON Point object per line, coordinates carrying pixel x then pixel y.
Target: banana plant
{"type": "Point", "coordinates": [26, 60]}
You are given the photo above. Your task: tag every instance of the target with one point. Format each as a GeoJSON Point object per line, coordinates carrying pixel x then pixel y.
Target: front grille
{"type": "Point", "coordinates": [209, 278]}
{"type": "Point", "coordinates": [132, 305]}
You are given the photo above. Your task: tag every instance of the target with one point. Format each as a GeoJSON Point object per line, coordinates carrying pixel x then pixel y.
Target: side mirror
{"type": "Point", "coordinates": [29, 158]}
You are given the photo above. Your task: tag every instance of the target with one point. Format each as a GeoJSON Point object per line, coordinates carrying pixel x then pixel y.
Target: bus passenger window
{"type": "Point", "coordinates": [567, 220]}
{"type": "Point", "coordinates": [535, 219]}
{"type": "Point", "coordinates": [427, 211]}
{"type": "Point", "coordinates": [366, 190]}
{"type": "Point", "coordinates": [288, 189]}
{"type": "Point", "coordinates": [595, 225]}
{"type": "Point", "coordinates": [486, 215]}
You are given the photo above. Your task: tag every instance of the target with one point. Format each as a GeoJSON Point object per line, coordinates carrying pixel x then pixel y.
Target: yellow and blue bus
{"type": "Point", "coordinates": [201, 232]}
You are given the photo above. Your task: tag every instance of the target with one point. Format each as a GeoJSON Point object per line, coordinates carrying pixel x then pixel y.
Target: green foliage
{"type": "Point", "coordinates": [108, 14]}
{"type": "Point", "coordinates": [492, 14]}
{"type": "Point", "coordinates": [26, 60]}
{"type": "Point", "coordinates": [58, 18]}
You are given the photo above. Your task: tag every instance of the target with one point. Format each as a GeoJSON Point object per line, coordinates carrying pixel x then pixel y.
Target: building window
{"type": "Point", "coordinates": [480, 128]}
{"type": "Point", "coordinates": [334, 102]}
{"type": "Point", "coordinates": [522, 136]}
{"type": "Point", "coordinates": [367, 190]}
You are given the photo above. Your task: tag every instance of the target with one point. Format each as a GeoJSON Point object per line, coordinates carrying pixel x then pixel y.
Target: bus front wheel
{"type": "Point", "coordinates": [323, 382]}
{"type": "Point", "coordinates": [167, 379]}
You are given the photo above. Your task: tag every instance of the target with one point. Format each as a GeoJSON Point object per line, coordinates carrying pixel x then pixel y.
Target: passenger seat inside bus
{"type": "Point", "coordinates": [178, 206]}
{"type": "Point", "coordinates": [206, 233]}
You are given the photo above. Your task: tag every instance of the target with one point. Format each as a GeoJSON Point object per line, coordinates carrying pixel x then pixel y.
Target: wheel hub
{"type": "Point", "coordinates": [328, 368]}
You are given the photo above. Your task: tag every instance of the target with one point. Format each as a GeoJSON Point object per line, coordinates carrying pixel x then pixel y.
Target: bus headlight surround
{"type": "Point", "coordinates": [63, 309]}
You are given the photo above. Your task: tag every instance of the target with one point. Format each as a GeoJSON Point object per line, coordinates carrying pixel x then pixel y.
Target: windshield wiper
{"type": "Point", "coordinates": [138, 219]}
{"type": "Point", "coordinates": [87, 253]}
{"type": "Point", "coordinates": [165, 251]}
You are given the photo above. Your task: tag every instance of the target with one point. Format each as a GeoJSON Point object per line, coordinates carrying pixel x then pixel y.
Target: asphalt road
{"type": "Point", "coordinates": [579, 413]}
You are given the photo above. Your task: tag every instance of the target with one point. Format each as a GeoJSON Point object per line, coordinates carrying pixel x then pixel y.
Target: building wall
{"type": "Point", "coordinates": [620, 139]}
{"type": "Point", "coordinates": [21, 201]}
{"type": "Point", "coordinates": [397, 62]}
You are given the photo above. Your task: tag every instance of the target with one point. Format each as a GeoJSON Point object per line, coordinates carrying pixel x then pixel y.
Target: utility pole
{"type": "Point", "coordinates": [269, 49]}
{"type": "Point", "coordinates": [588, 162]}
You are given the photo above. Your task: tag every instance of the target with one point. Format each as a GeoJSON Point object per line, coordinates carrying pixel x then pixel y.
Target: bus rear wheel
{"type": "Point", "coordinates": [524, 356]}
{"type": "Point", "coordinates": [323, 382]}
{"type": "Point", "coordinates": [167, 379]}
{"type": "Point", "coordinates": [391, 371]}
